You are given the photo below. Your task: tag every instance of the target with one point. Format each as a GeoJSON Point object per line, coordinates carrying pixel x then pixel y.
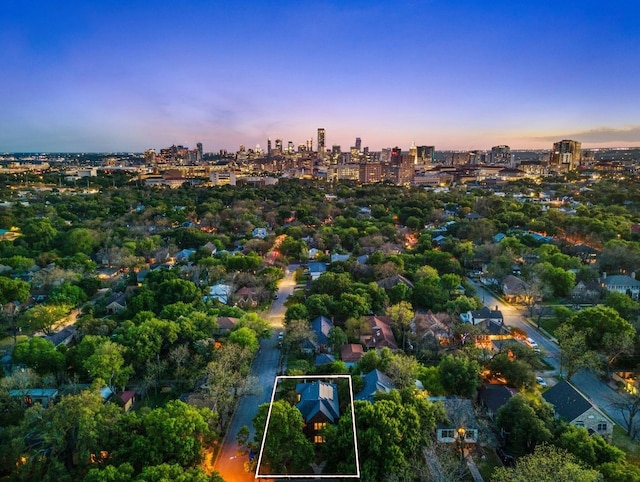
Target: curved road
{"type": "Point", "coordinates": [229, 463]}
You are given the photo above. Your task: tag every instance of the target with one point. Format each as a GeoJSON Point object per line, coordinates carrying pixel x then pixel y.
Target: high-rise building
{"type": "Point", "coordinates": [200, 152]}
{"type": "Point", "coordinates": [500, 155]}
{"type": "Point", "coordinates": [321, 146]}
{"type": "Point", "coordinates": [426, 154]}
{"type": "Point", "coordinates": [279, 146]}
{"type": "Point", "coordinates": [358, 144]}
{"type": "Point", "coordinates": [269, 145]}
{"type": "Point", "coordinates": [566, 155]}
{"type": "Point", "coordinates": [290, 148]}
{"type": "Point", "coordinates": [413, 152]}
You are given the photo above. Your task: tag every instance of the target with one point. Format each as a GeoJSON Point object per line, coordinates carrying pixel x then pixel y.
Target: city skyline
{"type": "Point", "coordinates": [126, 76]}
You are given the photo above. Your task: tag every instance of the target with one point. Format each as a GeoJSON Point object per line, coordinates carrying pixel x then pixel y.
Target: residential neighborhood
{"type": "Point", "coordinates": [464, 327]}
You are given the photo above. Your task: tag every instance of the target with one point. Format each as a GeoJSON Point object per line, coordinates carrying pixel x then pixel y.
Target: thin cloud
{"type": "Point", "coordinates": [598, 135]}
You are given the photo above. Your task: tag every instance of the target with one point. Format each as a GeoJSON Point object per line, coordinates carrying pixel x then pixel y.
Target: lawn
{"type": "Point", "coordinates": [549, 325]}
{"type": "Point", "coordinates": [631, 447]}
{"type": "Point", "coordinates": [488, 464]}
{"type": "Point", "coordinates": [7, 343]}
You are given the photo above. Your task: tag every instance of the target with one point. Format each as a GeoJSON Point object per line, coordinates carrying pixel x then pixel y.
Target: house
{"type": "Point", "coordinates": [476, 317]}
{"type": "Point", "coordinates": [586, 291]}
{"type": "Point", "coordinates": [183, 254]}
{"type": "Point", "coordinates": [375, 381]}
{"type": "Point", "coordinates": [316, 269]}
{"type": "Point", "coordinates": [391, 281]}
{"type": "Point", "coordinates": [226, 324]}
{"type": "Point", "coordinates": [429, 325]}
{"type": "Point", "coordinates": [210, 247]}
{"type": "Point", "coordinates": [514, 289]}
{"type": "Point", "coordinates": [379, 334]}
{"type": "Point", "coordinates": [351, 354]}
{"type": "Point", "coordinates": [246, 297]}
{"type": "Point", "coordinates": [116, 303]}
{"type": "Point", "coordinates": [29, 396]}
{"type": "Point", "coordinates": [318, 404]}
{"type": "Point", "coordinates": [460, 425]}
{"type": "Point", "coordinates": [259, 233]}
{"type": "Point", "coordinates": [335, 257]}
{"type": "Point", "coordinates": [65, 337]}
{"type": "Point", "coordinates": [219, 292]}
{"type": "Point", "coordinates": [627, 285]}
{"type": "Point", "coordinates": [321, 327]}
{"type": "Point", "coordinates": [141, 275]}
{"type": "Point", "coordinates": [570, 405]}
{"type": "Point", "coordinates": [127, 399]}
{"type": "Point", "coordinates": [324, 359]}
{"type": "Point", "coordinates": [494, 396]}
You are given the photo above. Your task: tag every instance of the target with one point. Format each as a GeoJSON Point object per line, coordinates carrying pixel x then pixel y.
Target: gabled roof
{"type": "Point", "coordinates": [374, 381]}
{"type": "Point", "coordinates": [318, 397]}
{"type": "Point", "coordinates": [495, 396]}
{"type": "Point", "coordinates": [621, 280]}
{"type": "Point", "coordinates": [512, 285]}
{"type": "Point", "coordinates": [226, 322]}
{"type": "Point", "coordinates": [381, 335]}
{"type": "Point", "coordinates": [324, 358]}
{"type": "Point", "coordinates": [321, 326]}
{"type": "Point", "coordinates": [459, 413]}
{"type": "Point", "coordinates": [351, 352]}
{"type": "Point", "coordinates": [568, 402]}
{"type": "Point", "coordinates": [390, 282]}
{"type": "Point", "coordinates": [317, 267]}
{"type": "Point", "coordinates": [485, 313]}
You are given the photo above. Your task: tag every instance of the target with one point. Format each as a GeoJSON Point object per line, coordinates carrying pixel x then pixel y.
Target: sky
{"type": "Point", "coordinates": [127, 75]}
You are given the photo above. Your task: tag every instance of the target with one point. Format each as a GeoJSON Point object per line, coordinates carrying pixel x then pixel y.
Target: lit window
{"type": "Point", "coordinates": [319, 426]}
{"type": "Point", "coordinates": [318, 439]}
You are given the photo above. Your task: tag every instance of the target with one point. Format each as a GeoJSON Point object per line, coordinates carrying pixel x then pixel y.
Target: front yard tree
{"type": "Point", "coordinates": [13, 290]}
{"type": "Point", "coordinates": [401, 317]}
{"type": "Point", "coordinates": [43, 317]}
{"type": "Point", "coordinates": [547, 464]}
{"type": "Point", "coordinates": [526, 422]}
{"type": "Point", "coordinates": [574, 352]}
{"type": "Point", "coordinates": [287, 449]}
{"type": "Point", "coordinates": [459, 375]}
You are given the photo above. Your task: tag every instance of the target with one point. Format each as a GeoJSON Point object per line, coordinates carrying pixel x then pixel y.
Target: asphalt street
{"type": "Point", "coordinates": [230, 463]}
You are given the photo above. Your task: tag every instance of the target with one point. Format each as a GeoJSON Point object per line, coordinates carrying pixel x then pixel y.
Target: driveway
{"type": "Point", "coordinates": [229, 462]}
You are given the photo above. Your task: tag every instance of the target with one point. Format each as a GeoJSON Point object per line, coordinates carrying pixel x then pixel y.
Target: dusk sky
{"type": "Point", "coordinates": [116, 75]}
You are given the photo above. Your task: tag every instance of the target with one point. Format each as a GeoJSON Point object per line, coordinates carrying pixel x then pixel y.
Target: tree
{"type": "Point", "coordinates": [593, 449]}
{"type": "Point", "coordinates": [296, 311]}
{"type": "Point", "coordinates": [459, 375]}
{"type": "Point", "coordinates": [172, 291]}
{"type": "Point", "coordinates": [526, 421]}
{"type": "Point", "coordinates": [43, 317]}
{"type": "Point", "coordinates": [597, 322]}
{"type": "Point", "coordinates": [286, 450]}
{"type": "Point", "coordinates": [401, 315]}
{"type": "Point", "coordinates": [246, 338]}
{"type": "Point", "coordinates": [402, 369]}
{"type": "Point", "coordinates": [13, 290]}
{"type": "Point", "coordinates": [517, 372]}
{"type": "Point", "coordinates": [546, 464]}
{"type": "Point", "coordinates": [107, 363]}
{"type": "Point", "coordinates": [336, 338]}
{"type": "Point", "coordinates": [629, 407]}
{"type": "Point", "coordinates": [79, 240]}
{"type": "Point", "coordinates": [39, 354]}
{"type": "Point", "coordinates": [574, 351]}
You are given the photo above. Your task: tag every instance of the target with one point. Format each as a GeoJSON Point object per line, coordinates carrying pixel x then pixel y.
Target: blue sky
{"type": "Point", "coordinates": [117, 75]}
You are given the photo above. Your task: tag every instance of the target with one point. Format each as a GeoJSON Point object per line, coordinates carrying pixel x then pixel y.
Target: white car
{"type": "Point", "coordinates": [541, 381]}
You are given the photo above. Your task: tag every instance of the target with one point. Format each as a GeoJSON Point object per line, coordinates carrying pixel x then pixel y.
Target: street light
{"type": "Point", "coordinates": [461, 434]}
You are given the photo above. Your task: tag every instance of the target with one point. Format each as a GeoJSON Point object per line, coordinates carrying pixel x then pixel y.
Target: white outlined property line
{"type": "Point", "coordinates": [309, 476]}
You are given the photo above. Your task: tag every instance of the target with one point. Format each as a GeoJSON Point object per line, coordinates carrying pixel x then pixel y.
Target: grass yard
{"type": "Point", "coordinates": [6, 344]}
{"type": "Point", "coordinates": [631, 447]}
{"type": "Point", "coordinates": [487, 465]}
{"type": "Point", "coordinates": [550, 325]}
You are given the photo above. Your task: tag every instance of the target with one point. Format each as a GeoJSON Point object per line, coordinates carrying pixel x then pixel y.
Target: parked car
{"type": "Point", "coordinates": [507, 459]}
{"type": "Point", "coordinates": [541, 381]}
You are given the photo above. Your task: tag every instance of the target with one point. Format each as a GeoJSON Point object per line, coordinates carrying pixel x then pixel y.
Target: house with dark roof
{"type": "Point", "coordinates": [391, 281]}
{"type": "Point", "coordinates": [116, 303]}
{"type": "Point", "coordinates": [572, 406]}
{"type": "Point", "coordinates": [460, 422]}
{"type": "Point", "coordinates": [316, 268]}
{"type": "Point", "coordinates": [476, 317]}
{"type": "Point", "coordinates": [494, 396]}
{"type": "Point", "coordinates": [375, 381]}
{"type": "Point", "coordinates": [318, 404]}
{"type": "Point", "coordinates": [514, 289]}
{"type": "Point", "coordinates": [321, 327]}
{"type": "Point", "coordinates": [226, 324]}
{"type": "Point", "coordinates": [65, 337]}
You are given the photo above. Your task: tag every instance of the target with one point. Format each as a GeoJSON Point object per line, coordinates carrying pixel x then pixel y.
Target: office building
{"type": "Point", "coordinates": [321, 145]}
{"type": "Point", "coordinates": [565, 155]}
